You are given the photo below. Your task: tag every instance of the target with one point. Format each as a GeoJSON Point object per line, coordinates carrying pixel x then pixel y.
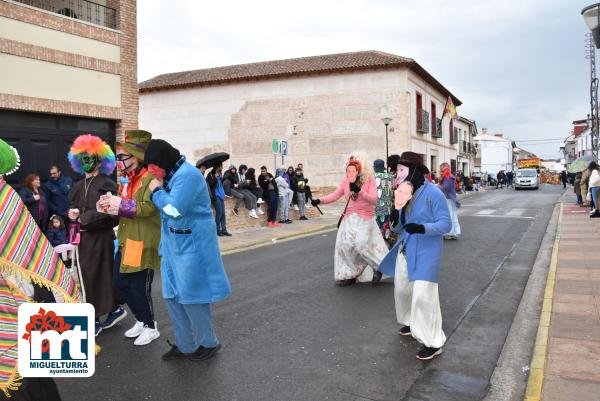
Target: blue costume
{"type": "Point", "coordinates": [192, 272]}
{"type": "Point", "coordinates": [423, 251]}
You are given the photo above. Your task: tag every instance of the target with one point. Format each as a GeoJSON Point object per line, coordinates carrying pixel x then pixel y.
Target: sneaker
{"type": "Point", "coordinates": [253, 214]}
{"type": "Point", "coordinates": [405, 331]}
{"type": "Point", "coordinates": [259, 201]}
{"type": "Point", "coordinates": [148, 335]}
{"type": "Point", "coordinates": [303, 218]}
{"type": "Point", "coordinates": [173, 353]}
{"type": "Point", "coordinates": [114, 317]}
{"type": "Point", "coordinates": [270, 224]}
{"type": "Point", "coordinates": [260, 211]}
{"type": "Point", "coordinates": [376, 277]}
{"type": "Point", "coordinates": [135, 331]}
{"type": "Point", "coordinates": [98, 328]}
{"type": "Point", "coordinates": [282, 222]}
{"type": "Point", "coordinates": [276, 224]}
{"type": "Point", "coordinates": [225, 234]}
{"type": "Point", "coordinates": [296, 207]}
{"type": "Point", "coordinates": [428, 353]}
{"type": "Point", "coordinates": [595, 215]}
{"type": "Point", "coordinates": [202, 353]}
{"type": "Point", "coordinates": [234, 211]}
{"type": "Point", "coordinates": [288, 221]}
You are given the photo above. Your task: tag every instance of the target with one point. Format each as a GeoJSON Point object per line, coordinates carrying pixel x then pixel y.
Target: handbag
{"type": "Point", "coordinates": [343, 213]}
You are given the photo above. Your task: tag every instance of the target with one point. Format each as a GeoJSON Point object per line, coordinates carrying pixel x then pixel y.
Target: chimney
{"type": "Point", "coordinates": [499, 135]}
{"type": "Point", "coordinates": [484, 131]}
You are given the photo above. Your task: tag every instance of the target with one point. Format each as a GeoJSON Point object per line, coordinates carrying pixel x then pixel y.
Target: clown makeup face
{"type": "Point", "coordinates": [89, 163]}
{"type": "Point", "coordinates": [157, 172]}
{"type": "Point", "coordinates": [125, 161]}
{"type": "Point", "coordinates": [401, 173]}
{"type": "Point", "coordinates": [351, 173]}
{"type": "Point", "coordinates": [402, 194]}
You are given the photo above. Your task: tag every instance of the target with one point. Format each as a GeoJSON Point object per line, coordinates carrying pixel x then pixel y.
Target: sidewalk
{"type": "Point", "coordinates": [566, 361]}
{"type": "Point", "coordinates": [260, 236]}
{"type": "Point", "coordinates": [254, 237]}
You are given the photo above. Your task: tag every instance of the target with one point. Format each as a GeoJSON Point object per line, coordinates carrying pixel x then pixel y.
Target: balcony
{"type": "Point", "coordinates": [422, 121]}
{"type": "Point", "coordinates": [78, 9]}
{"type": "Point", "coordinates": [438, 128]}
{"type": "Point", "coordinates": [454, 136]}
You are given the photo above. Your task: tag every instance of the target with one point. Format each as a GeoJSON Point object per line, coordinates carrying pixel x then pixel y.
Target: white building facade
{"type": "Point", "coordinates": [495, 153]}
{"type": "Point", "coordinates": [325, 107]}
{"type": "Point", "coordinates": [465, 130]}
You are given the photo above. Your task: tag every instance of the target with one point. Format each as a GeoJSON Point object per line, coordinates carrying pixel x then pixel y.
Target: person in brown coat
{"type": "Point", "coordinates": [92, 157]}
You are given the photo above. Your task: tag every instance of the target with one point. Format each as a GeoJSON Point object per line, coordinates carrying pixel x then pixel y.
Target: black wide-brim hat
{"type": "Point", "coordinates": [411, 159]}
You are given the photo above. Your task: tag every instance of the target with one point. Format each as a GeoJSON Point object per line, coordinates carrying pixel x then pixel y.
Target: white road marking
{"type": "Point", "coordinates": [515, 212]}
{"type": "Point", "coordinates": [485, 212]}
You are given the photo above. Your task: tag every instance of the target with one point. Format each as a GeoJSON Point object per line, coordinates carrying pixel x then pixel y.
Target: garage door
{"type": "Point", "coordinates": [43, 140]}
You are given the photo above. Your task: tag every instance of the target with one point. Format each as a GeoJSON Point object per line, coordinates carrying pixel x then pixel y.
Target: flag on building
{"type": "Point", "coordinates": [450, 109]}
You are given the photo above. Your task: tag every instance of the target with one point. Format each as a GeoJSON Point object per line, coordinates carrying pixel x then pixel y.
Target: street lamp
{"type": "Point", "coordinates": [386, 121]}
{"type": "Point", "coordinates": [591, 16]}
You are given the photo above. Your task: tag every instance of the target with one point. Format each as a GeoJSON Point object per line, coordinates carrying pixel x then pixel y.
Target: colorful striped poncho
{"type": "Point", "coordinates": [25, 254]}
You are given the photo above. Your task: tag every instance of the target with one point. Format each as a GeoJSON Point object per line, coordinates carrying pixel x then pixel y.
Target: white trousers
{"type": "Point", "coordinates": [454, 217]}
{"type": "Point", "coordinates": [418, 306]}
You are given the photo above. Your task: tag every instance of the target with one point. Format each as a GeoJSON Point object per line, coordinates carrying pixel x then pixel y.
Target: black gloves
{"type": "Point", "coordinates": [413, 228]}
{"type": "Point", "coordinates": [394, 217]}
{"type": "Point", "coordinates": [315, 202]}
{"type": "Point", "coordinates": [354, 187]}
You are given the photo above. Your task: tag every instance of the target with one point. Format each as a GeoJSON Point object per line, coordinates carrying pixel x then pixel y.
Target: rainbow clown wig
{"type": "Point", "coordinates": [91, 146]}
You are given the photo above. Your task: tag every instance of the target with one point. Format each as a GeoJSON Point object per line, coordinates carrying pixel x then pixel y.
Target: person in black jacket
{"type": "Point", "coordinates": [299, 188]}
{"type": "Point", "coordinates": [269, 188]}
{"type": "Point", "coordinates": [56, 190]}
{"type": "Point", "coordinates": [35, 200]}
{"type": "Point", "coordinates": [217, 197]}
{"type": "Point", "coordinates": [234, 188]}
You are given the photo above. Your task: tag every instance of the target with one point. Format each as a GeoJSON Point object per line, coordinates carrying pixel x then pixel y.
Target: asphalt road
{"type": "Point", "coordinates": [289, 333]}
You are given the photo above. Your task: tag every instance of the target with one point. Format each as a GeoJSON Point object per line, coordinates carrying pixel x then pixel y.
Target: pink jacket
{"type": "Point", "coordinates": [364, 205]}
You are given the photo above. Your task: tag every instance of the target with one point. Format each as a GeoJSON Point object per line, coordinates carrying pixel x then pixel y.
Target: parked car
{"type": "Point", "coordinates": [526, 178]}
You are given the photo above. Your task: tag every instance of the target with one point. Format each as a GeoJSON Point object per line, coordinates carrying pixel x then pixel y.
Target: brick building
{"type": "Point", "coordinates": [67, 68]}
{"type": "Point", "coordinates": [324, 106]}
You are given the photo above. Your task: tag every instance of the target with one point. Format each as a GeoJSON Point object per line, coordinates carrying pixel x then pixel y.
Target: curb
{"type": "Point", "coordinates": [283, 238]}
{"type": "Point", "coordinates": [538, 361]}
{"type": "Point", "coordinates": [508, 382]}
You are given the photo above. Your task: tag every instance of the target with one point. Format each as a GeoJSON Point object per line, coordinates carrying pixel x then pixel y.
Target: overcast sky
{"type": "Point", "coordinates": [518, 66]}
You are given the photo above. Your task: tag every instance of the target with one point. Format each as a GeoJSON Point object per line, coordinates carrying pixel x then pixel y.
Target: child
{"type": "Point", "coordinates": [56, 233]}
{"type": "Point", "coordinates": [285, 196]}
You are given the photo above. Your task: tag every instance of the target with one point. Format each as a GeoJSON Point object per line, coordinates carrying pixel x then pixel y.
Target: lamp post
{"type": "Point", "coordinates": [591, 16]}
{"type": "Point", "coordinates": [386, 121]}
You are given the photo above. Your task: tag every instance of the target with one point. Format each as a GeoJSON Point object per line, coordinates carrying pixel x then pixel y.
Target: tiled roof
{"type": "Point", "coordinates": [332, 63]}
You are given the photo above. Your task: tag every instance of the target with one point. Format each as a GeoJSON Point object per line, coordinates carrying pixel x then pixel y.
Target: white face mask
{"type": "Point", "coordinates": [402, 195]}
{"type": "Point", "coordinates": [401, 173]}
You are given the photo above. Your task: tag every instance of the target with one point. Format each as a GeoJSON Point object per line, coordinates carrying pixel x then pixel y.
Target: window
{"type": "Point", "coordinates": [419, 111]}
{"type": "Point", "coordinates": [433, 121]}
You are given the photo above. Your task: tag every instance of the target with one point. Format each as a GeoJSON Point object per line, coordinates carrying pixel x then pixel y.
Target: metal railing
{"type": "Point", "coordinates": [78, 9]}
{"type": "Point", "coordinates": [466, 147]}
{"type": "Point", "coordinates": [454, 136]}
{"type": "Point", "coordinates": [438, 128]}
{"type": "Point", "coordinates": [422, 121]}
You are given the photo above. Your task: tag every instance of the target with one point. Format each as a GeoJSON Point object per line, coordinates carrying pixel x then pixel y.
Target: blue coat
{"type": "Point", "coordinates": [191, 268]}
{"type": "Point", "coordinates": [57, 195]}
{"type": "Point", "coordinates": [423, 251]}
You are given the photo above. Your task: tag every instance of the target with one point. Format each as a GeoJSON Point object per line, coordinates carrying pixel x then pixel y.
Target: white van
{"type": "Point", "coordinates": [526, 178]}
